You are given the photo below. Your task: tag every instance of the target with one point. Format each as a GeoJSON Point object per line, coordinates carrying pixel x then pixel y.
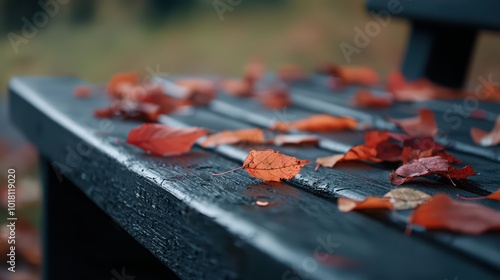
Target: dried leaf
{"type": "Point", "coordinates": [427, 166]}
{"type": "Point", "coordinates": [117, 80]}
{"type": "Point", "coordinates": [130, 110]}
{"type": "Point", "coordinates": [251, 135]}
{"type": "Point", "coordinates": [423, 125]}
{"type": "Point", "coordinates": [443, 213]}
{"type": "Point", "coordinates": [164, 140]}
{"type": "Point", "coordinates": [408, 154]}
{"type": "Point", "coordinates": [317, 123]}
{"type": "Point", "coordinates": [291, 72]}
{"type": "Point", "coordinates": [352, 74]}
{"type": "Point", "coordinates": [366, 99]}
{"type": "Point", "coordinates": [271, 165]}
{"type": "Point", "coordinates": [347, 205]}
{"type": "Point", "coordinates": [83, 91]}
{"type": "Point", "coordinates": [200, 92]}
{"type": "Point", "coordinates": [281, 140]}
{"type": "Point", "coordinates": [240, 88]}
{"type": "Point", "coordinates": [486, 139]}
{"type": "Point", "coordinates": [274, 98]}
{"type": "Point", "coordinates": [406, 198]}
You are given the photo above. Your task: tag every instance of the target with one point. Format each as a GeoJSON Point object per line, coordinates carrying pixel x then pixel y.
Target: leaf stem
{"type": "Point", "coordinates": [229, 171]}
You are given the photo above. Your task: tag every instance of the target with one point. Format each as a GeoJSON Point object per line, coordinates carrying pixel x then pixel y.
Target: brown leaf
{"type": "Point", "coordinates": [443, 213]}
{"type": "Point", "coordinates": [164, 140]}
{"type": "Point", "coordinates": [406, 198]}
{"type": "Point", "coordinates": [200, 92]}
{"type": "Point", "coordinates": [427, 166]}
{"type": "Point", "coordinates": [274, 97]}
{"type": "Point", "coordinates": [317, 123]}
{"type": "Point", "coordinates": [484, 138]}
{"type": "Point", "coordinates": [423, 125]}
{"type": "Point", "coordinates": [251, 135]}
{"type": "Point", "coordinates": [347, 205]}
{"type": "Point", "coordinates": [408, 154]}
{"type": "Point", "coordinates": [281, 140]}
{"type": "Point", "coordinates": [366, 99]}
{"type": "Point", "coordinates": [271, 165]}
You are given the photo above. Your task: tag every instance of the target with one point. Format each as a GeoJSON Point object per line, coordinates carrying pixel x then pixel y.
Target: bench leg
{"type": "Point", "coordinates": [81, 242]}
{"type": "Point", "coordinates": [440, 54]}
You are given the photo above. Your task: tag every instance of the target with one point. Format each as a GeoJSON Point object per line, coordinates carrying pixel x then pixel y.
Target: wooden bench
{"type": "Point", "coordinates": [111, 209]}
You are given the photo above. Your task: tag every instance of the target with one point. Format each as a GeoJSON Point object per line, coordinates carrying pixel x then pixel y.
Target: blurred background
{"type": "Point", "coordinates": [94, 39]}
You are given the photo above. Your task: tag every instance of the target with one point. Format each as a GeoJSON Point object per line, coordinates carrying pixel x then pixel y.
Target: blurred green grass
{"type": "Point", "coordinates": [197, 41]}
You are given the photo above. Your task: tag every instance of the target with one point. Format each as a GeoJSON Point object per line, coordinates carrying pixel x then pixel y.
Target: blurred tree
{"type": "Point", "coordinates": [13, 11]}
{"type": "Point", "coordinates": [82, 11]}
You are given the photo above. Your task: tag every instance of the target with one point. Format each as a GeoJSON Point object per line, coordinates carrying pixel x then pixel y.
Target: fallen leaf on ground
{"type": "Point", "coordinates": [270, 165]}
{"type": "Point", "coordinates": [200, 92]}
{"type": "Point", "coordinates": [366, 99]}
{"type": "Point", "coordinates": [317, 123]}
{"type": "Point", "coordinates": [291, 72]}
{"type": "Point", "coordinates": [164, 140]}
{"type": "Point", "coordinates": [130, 110]}
{"type": "Point", "coordinates": [443, 213]}
{"type": "Point", "coordinates": [274, 97]}
{"type": "Point", "coordinates": [484, 138]}
{"type": "Point", "coordinates": [406, 198]}
{"type": "Point", "coordinates": [494, 196]}
{"type": "Point", "coordinates": [423, 125]}
{"type": "Point", "coordinates": [240, 88]}
{"type": "Point", "coordinates": [408, 154]}
{"type": "Point", "coordinates": [251, 135]}
{"type": "Point", "coordinates": [119, 79]}
{"type": "Point", "coordinates": [427, 166]}
{"type": "Point", "coordinates": [349, 75]}
{"type": "Point", "coordinates": [281, 140]}
{"type": "Point", "coordinates": [347, 204]}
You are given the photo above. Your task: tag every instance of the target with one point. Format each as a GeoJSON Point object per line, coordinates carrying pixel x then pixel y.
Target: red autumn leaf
{"type": "Point", "coordinates": [274, 98]}
{"type": "Point", "coordinates": [427, 166]}
{"type": "Point", "coordinates": [443, 213]}
{"type": "Point", "coordinates": [484, 138]}
{"type": "Point", "coordinates": [317, 123]}
{"type": "Point", "coordinates": [494, 196]}
{"type": "Point", "coordinates": [352, 74]}
{"type": "Point", "coordinates": [366, 99]}
{"type": "Point", "coordinates": [130, 110]}
{"type": "Point", "coordinates": [388, 151]}
{"type": "Point", "coordinates": [347, 205]}
{"type": "Point", "coordinates": [419, 147]}
{"type": "Point", "coordinates": [281, 140]}
{"type": "Point", "coordinates": [164, 140]}
{"type": "Point", "coordinates": [271, 165]}
{"type": "Point", "coordinates": [254, 71]}
{"type": "Point", "coordinates": [120, 79]}
{"type": "Point", "coordinates": [200, 92]}
{"type": "Point", "coordinates": [423, 125]}
{"type": "Point", "coordinates": [83, 91]}
{"type": "Point", "coordinates": [251, 135]}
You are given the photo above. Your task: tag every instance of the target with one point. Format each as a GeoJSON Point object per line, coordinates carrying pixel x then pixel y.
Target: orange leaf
{"type": "Point", "coordinates": [366, 99]}
{"type": "Point", "coordinates": [251, 135]}
{"type": "Point", "coordinates": [443, 213]}
{"type": "Point", "coordinates": [200, 92]}
{"type": "Point", "coordinates": [317, 123]}
{"type": "Point", "coordinates": [274, 98]}
{"type": "Point", "coordinates": [130, 110]}
{"type": "Point", "coordinates": [119, 79]}
{"type": "Point", "coordinates": [290, 73]}
{"type": "Point", "coordinates": [423, 125]}
{"type": "Point", "coordinates": [347, 205]}
{"type": "Point", "coordinates": [427, 166]}
{"type": "Point", "coordinates": [484, 138]}
{"type": "Point", "coordinates": [271, 165]}
{"type": "Point", "coordinates": [281, 140]}
{"type": "Point", "coordinates": [164, 140]}
{"type": "Point", "coordinates": [240, 88]}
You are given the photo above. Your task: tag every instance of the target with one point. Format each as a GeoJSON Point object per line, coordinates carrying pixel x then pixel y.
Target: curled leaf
{"type": "Point", "coordinates": [443, 213]}
{"type": "Point", "coordinates": [484, 138]}
{"type": "Point", "coordinates": [427, 166]}
{"type": "Point", "coordinates": [423, 125]}
{"type": "Point", "coordinates": [317, 123]}
{"type": "Point", "coordinates": [164, 140]}
{"type": "Point", "coordinates": [406, 198]}
{"type": "Point", "coordinates": [271, 165]}
{"type": "Point", "coordinates": [251, 135]}
{"type": "Point", "coordinates": [347, 205]}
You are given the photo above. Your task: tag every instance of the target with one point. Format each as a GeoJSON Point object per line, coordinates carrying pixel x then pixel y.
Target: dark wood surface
{"type": "Point", "coordinates": [202, 226]}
